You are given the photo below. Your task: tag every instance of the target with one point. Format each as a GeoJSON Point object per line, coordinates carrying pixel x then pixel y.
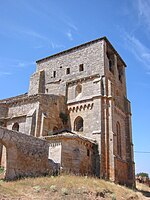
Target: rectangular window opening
{"type": "Point", "coordinates": [68, 71]}
{"type": "Point", "coordinates": [54, 74]}
{"type": "Point", "coordinates": [88, 152]}
{"type": "Point", "coordinates": [81, 67]}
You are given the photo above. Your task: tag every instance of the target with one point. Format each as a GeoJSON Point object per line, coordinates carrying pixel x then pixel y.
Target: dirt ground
{"type": "Point", "coordinates": [69, 187]}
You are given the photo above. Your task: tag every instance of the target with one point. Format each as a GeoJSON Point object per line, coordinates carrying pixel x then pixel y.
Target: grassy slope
{"type": "Point", "coordinates": [65, 187]}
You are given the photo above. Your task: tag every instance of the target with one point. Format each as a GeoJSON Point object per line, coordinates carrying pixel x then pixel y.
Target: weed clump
{"type": "Point", "coordinates": [64, 191]}
{"type": "Point", "coordinates": [1, 170]}
{"type": "Point", "coordinates": [53, 188]}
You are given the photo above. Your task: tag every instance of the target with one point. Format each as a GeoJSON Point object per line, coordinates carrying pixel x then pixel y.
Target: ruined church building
{"type": "Point", "coordinates": [78, 112]}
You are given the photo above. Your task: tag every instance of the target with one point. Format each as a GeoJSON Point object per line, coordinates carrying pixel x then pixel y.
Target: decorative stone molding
{"type": "Point", "coordinates": [80, 80]}
{"type": "Point", "coordinates": [55, 144]}
{"type": "Point", "coordinates": [77, 108]}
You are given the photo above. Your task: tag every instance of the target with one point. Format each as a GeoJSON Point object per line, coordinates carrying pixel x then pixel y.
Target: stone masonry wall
{"type": "Point", "coordinates": [37, 83]}
{"type": "Point", "coordinates": [87, 103]}
{"type": "Point", "coordinates": [35, 114]}
{"type": "Point", "coordinates": [49, 114]}
{"type": "Point", "coordinates": [19, 111]}
{"type": "Point", "coordinates": [86, 83]}
{"type": "Point", "coordinates": [26, 155]}
{"type": "Point", "coordinates": [91, 128]}
{"type": "Point", "coordinates": [75, 158]}
{"type": "Point", "coordinates": [76, 155]}
{"type": "Point", "coordinates": [90, 55]}
{"type": "Point", "coordinates": [3, 111]}
{"type": "Point", "coordinates": [116, 108]}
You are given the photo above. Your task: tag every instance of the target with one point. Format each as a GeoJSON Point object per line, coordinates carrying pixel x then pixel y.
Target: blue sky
{"type": "Point", "coordinates": [33, 29]}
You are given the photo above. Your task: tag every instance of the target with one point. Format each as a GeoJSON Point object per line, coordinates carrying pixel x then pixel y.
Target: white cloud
{"type": "Point", "coordinates": [57, 46]}
{"type": "Point", "coordinates": [5, 73]}
{"type": "Point", "coordinates": [25, 64]}
{"type": "Point", "coordinates": [35, 34]}
{"type": "Point", "coordinates": [52, 13]}
{"type": "Point", "coordinates": [142, 84]}
{"type": "Point", "coordinates": [9, 63]}
{"type": "Point", "coordinates": [148, 73]}
{"type": "Point", "coordinates": [141, 52]}
{"type": "Point", "coordinates": [71, 25]}
{"type": "Point", "coordinates": [39, 46]}
{"type": "Point", "coordinates": [69, 35]}
{"type": "Point", "coordinates": [45, 40]}
{"type": "Point", "coordinates": [144, 11]}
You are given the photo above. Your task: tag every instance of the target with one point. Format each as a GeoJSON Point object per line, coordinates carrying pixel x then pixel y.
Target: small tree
{"type": "Point", "coordinates": [142, 174]}
{"type": "Point", "coordinates": [63, 117]}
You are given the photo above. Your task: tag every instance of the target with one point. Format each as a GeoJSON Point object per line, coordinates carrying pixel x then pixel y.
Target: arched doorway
{"type": "Point", "coordinates": [15, 127]}
{"type": "Point", "coordinates": [78, 124]}
{"type": "Point", "coordinates": [55, 129]}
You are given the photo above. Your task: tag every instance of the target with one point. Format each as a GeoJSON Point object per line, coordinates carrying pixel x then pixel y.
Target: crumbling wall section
{"type": "Point", "coordinates": [26, 155]}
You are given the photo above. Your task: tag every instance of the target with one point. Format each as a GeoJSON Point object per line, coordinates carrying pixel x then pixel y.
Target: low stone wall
{"type": "Point", "coordinates": [26, 155]}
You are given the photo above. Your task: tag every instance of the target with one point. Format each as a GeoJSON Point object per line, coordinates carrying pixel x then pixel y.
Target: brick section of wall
{"type": "Point", "coordinates": [121, 172]}
{"type": "Point", "coordinates": [115, 110]}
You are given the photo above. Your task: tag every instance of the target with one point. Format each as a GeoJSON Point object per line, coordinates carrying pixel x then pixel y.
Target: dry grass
{"type": "Point", "coordinates": [144, 189]}
{"type": "Point", "coordinates": [65, 187]}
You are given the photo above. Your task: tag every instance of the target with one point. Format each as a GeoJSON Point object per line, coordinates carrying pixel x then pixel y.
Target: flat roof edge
{"type": "Point", "coordinates": [79, 46]}
{"type": "Point", "coordinates": [71, 49]}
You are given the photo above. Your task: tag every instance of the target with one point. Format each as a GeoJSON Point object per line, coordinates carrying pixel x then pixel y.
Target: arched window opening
{"type": "Point", "coordinates": [55, 129]}
{"type": "Point", "coordinates": [81, 68]}
{"type": "Point", "coordinates": [2, 123]}
{"type": "Point", "coordinates": [78, 90]}
{"type": "Point", "coordinates": [120, 71]}
{"type": "Point", "coordinates": [102, 88]}
{"type": "Point", "coordinates": [110, 57]}
{"type": "Point", "coordinates": [15, 127]}
{"type": "Point", "coordinates": [88, 152]}
{"type": "Point", "coordinates": [118, 131]}
{"type": "Point", "coordinates": [78, 124]}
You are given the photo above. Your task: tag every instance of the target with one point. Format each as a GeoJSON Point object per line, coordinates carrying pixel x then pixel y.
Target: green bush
{"type": "Point", "coordinates": [63, 117]}
{"type": "Point", "coordinates": [1, 170]}
{"type": "Point", "coordinates": [143, 174]}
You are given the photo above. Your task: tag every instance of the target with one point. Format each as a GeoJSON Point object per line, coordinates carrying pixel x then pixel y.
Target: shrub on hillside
{"type": "Point", "coordinates": [143, 174]}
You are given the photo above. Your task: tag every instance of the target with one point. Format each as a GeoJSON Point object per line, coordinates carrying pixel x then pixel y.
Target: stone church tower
{"type": "Point", "coordinates": [82, 90]}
